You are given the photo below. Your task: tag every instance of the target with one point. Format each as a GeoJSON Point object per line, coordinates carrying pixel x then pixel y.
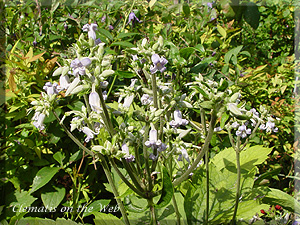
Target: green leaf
{"type": "Point", "coordinates": [186, 10]}
{"type": "Point", "coordinates": [96, 206]}
{"type": "Point", "coordinates": [151, 3]}
{"type": "Point", "coordinates": [278, 197]}
{"type": "Point", "coordinates": [222, 31]}
{"type": "Point", "coordinates": [125, 74]}
{"type": "Point", "coordinates": [224, 119]}
{"type": "Point", "coordinates": [23, 199]}
{"type": "Point", "coordinates": [134, 204]}
{"type": "Point", "coordinates": [186, 52]}
{"type": "Point", "coordinates": [247, 209]}
{"type": "Point", "coordinates": [167, 190]}
{"type": "Point", "coordinates": [123, 44]}
{"type": "Point", "coordinates": [42, 177]}
{"type": "Point", "coordinates": [230, 53]}
{"type": "Point", "coordinates": [59, 157]}
{"type": "Point", "coordinates": [105, 33]}
{"type": "Point", "coordinates": [207, 104]}
{"type": "Point", "coordinates": [53, 198]}
{"type": "Point", "coordinates": [252, 15]}
{"type": "Point", "coordinates": [249, 158]}
{"type": "Point", "coordinates": [122, 35]}
{"type": "Point", "coordinates": [106, 219]}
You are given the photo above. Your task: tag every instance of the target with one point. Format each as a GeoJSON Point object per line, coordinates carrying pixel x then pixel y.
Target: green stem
{"type": "Point", "coordinates": [154, 90]}
{"type": "Point", "coordinates": [201, 154]}
{"type": "Point", "coordinates": [126, 17]}
{"type": "Point", "coordinates": [207, 186]}
{"type": "Point", "coordinates": [132, 175]}
{"type": "Point", "coordinates": [237, 196]}
{"type": "Point", "coordinates": [114, 189]}
{"type": "Point", "coordinates": [125, 180]}
{"type": "Point", "coordinates": [107, 118]}
{"type": "Point", "coordinates": [105, 167]}
{"type": "Point", "coordinates": [73, 137]}
{"type": "Point", "coordinates": [177, 213]}
{"type": "Point", "coordinates": [146, 157]}
{"type": "Point", "coordinates": [152, 212]}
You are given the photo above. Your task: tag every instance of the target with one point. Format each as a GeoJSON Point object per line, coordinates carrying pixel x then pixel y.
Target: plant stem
{"type": "Point", "coordinates": [107, 118]}
{"type": "Point", "coordinates": [176, 210]}
{"type": "Point", "coordinates": [152, 212]}
{"type": "Point", "coordinates": [207, 186]}
{"type": "Point", "coordinates": [146, 157]}
{"type": "Point", "coordinates": [114, 189]}
{"type": "Point", "coordinates": [125, 180]}
{"type": "Point", "coordinates": [237, 196]}
{"type": "Point", "coordinates": [201, 154]}
{"type": "Point", "coordinates": [105, 167]}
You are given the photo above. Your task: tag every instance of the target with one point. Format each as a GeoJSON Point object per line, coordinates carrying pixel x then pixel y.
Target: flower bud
{"type": "Point", "coordinates": [144, 42]}
{"type": "Point", "coordinates": [58, 71]}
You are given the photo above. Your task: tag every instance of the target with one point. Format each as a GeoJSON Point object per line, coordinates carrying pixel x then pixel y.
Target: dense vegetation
{"type": "Point", "coordinates": [201, 68]}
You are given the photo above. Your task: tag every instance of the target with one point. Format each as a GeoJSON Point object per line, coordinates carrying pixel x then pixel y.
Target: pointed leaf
{"type": "Point", "coordinates": [167, 190]}
{"type": "Point", "coordinates": [42, 177]}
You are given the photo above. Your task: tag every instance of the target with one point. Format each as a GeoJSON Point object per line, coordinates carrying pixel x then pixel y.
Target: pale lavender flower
{"type": "Point", "coordinates": [128, 157]}
{"type": "Point", "coordinates": [50, 88]}
{"type": "Point", "coordinates": [135, 58]}
{"type": "Point", "coordinates": [89, 133]}
{"type": "Point", "coordinates": [38, 120]}
{"type": "Point", "coordinates": [146, 99]}
{"type": "Point", "coordinates": [128, 100]}
{"type": "Point", "coordinates": [64, 82]}
{"type": "Point", "coordinates": [243, 131]}
{"type": "Point", "coordinates": [159, 64]}
{"type": "Point", "coordinates": [132, 18]}
{"type": "Point", "coordinates": [94, 101]}
{"type": "Point", "coordinates": [153, 157]}
{"type": "Point", "coordinates": [79, 66]}
{"type": "Point", "coordinates": [235, 125]}
{"type": "Point", "coordinates": [210, 4]}
{"type": "Point", "coordinates": [34, 42]}
{"type": "Point", "coordinates": [90, 28]}
{"type": "Point", "coordinates": [110, 27]}
{"type": "Point", "coordinates": [103, 19]}
{"type": "Point", "coordinates": [217, 129]}
{"type": "Point", "coordinates": [269, 127]}
{"type": "Point", "coordinates": [104, 94]}
{"type": "Point", "coordinates": [153, 142]}
{"type": "Point", "coordinates": [98, 41]}
{"type": "Point", "coordinates": [183, 154]}
{"type": "Point", "coordinates": [178, 121]}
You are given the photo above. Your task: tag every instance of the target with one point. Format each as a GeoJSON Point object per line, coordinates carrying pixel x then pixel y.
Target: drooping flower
{"type": "Point", "coordinates": [64, 82]}
{"type": "Point", "coordinates": [90, 28]}
{"type": "Point", "coordinates": [128, 100]}
{"type": "Point", "coordinates": [243, 131]}
{"type": "Point", "coordinates": [183, 154]}
{"type": "Point", "coordinates": [98, 41]}
{"type": "Point", "coordinates": [178, 121]}
{"type": "Point", "coordinates": [94, 101]}
{"type": "Point", "coordinates": [50, 88]}
{"type": "Point", "coordinates": [128, 157]}
{"type": "Point", "coordinates": [235, 125]}
{"type": "Point", "coordinates": [132, 18]}
{"type": "Point", "coordinates": [158, 64]}
{"type": "Point", "coordinates": [38, 120]}
{"type": "Point", "coordinates": [79, 66]}
{"type": "Point", "coordinates": [146, 99]}
{"type": "Point", "coordinates": [269, 126]}
{"type": "Point", "coordinates": [89, 133]}
{"type": "Point", "coordinates": [153, 142]}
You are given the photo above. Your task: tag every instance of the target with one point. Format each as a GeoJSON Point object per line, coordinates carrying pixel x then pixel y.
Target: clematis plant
{"type": "Point", "coordinates": [143, 127]}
